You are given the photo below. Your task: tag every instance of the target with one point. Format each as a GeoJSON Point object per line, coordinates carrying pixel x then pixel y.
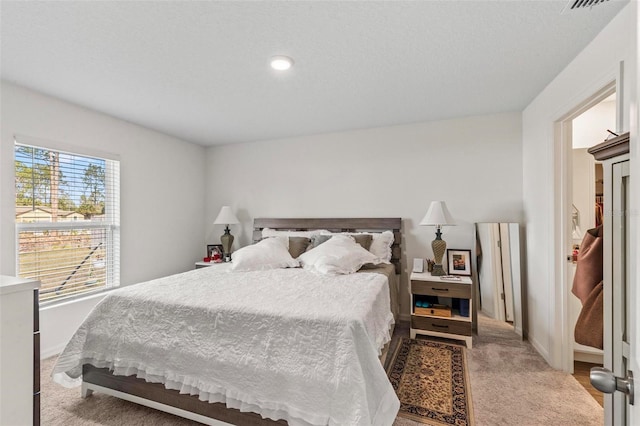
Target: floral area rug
{"type": "Point", "coordinates": [432, 383]}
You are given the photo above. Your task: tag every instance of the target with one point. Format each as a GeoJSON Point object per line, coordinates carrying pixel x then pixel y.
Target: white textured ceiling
{"type": "Point", "coordinates": [199, 70]}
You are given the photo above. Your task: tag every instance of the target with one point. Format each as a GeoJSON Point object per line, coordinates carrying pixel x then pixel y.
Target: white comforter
{"type": "Point", "coordinates": [285, 343]}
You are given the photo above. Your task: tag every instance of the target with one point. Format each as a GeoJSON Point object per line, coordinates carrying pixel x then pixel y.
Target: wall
{"type": "Point", "coordinates": [591, 126]}
{"type": "Point", "coordinates": [474, 164]}
{"type": "Point", "coordinates": [162, 187]}
{"type": "Point", "coordinates": [591, 70]}
{"type": "Point", "coordinates": [584, 182]}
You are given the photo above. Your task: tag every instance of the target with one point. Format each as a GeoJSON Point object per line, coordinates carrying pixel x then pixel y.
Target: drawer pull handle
{"type": "Point", "coordinates": [440, 326]}
{"type": "Point", "coordinates": [439, 289]}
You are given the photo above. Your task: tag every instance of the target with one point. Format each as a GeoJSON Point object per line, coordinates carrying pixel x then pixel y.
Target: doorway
{"type": "Point", "coordinates": [587, 203]}
{"type": "Point", "coordinates": [587, 208]}
{"type": "Point", "coordinates": [571, 223]}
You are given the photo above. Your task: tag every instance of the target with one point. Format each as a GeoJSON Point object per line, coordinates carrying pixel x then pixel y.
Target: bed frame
{"type": "Point", "coordinates": [155, 395]}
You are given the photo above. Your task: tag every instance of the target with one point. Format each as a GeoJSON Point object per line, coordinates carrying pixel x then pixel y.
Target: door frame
{"type": "Point", "coordinates": [563, 182]}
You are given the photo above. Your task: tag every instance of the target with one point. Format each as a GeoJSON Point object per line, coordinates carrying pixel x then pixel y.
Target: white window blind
{"type": "Point", "coordinates": [67, 220]}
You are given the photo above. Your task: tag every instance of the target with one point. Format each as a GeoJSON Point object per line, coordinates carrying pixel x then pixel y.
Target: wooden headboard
{"type": "Point", "coordinates": [337, 225]}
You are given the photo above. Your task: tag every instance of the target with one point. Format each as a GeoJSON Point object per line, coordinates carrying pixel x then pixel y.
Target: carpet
{"type": "Point", "coordinates": [432, 382]}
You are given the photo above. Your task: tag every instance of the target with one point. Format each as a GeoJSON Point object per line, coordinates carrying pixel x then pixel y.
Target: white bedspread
{"type": "Point", "coordinates": [285, 343]}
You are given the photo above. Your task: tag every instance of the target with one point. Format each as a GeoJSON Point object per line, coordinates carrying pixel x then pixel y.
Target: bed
{"type": "Point", "coordinates": [246, 344]}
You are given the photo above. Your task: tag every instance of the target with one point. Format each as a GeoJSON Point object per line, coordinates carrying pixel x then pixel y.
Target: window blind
{"type": "Point", "coordinates": [67, 220]}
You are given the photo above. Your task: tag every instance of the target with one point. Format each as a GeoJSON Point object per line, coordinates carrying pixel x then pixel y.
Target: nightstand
{"type": "Point", "coordinates": [217, 265]}
{"type": "Point", "coordinates": [454, 327]}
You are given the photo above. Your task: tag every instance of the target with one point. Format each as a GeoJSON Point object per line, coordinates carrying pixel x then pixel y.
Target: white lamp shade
{"type": "Point", "coordinates": [438, 214]}
{"type": "Point", "coordinates": [226, 217]}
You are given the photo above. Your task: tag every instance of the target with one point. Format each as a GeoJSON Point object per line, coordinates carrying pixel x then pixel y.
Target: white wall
{"type": "Point", "coordinates": [474, 164]}
{"type": "Point", "coordinates": [584, 183]}
{"type": "Point", "coordinates": [591, 126]}
{"type": "Point", "coordinates": [591, 70]}
{"type": "Point", "coordinates": [162, 192]}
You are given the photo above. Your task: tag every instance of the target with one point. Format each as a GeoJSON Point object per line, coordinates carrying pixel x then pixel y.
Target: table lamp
{"type": "Point", "coordinates": [438, 215]}
{"type": "Point", "coordinates": [226, 217]}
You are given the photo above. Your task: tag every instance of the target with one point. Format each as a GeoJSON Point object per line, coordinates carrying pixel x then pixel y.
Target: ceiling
{"type": "Point", "coordinates": [200, 70]}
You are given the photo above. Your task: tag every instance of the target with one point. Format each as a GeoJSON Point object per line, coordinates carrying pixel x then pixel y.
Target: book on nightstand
{"type": "Point", "coordinates": [451, 278]}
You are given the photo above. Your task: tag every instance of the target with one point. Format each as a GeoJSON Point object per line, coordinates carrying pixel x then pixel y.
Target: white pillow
{"type": "Point", "coordinates": [380, 244]}
{"type": "Point", "coordinates": [270, 253]}
{"type": "Point", "coordinates": [339, 255]}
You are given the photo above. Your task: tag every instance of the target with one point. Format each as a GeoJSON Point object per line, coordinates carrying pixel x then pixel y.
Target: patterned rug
{"type": "Point", "coordinates": [432, 382]}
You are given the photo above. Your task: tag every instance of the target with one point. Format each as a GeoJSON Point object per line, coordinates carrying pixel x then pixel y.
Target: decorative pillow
{"type": "Point", "coordinates": [381, 245]}
{"type": "Point", "coordinates": [270, 253]}
{"type": "Point", "coordinates": [316, 240]}
{"type": "Point", "coordinates": [363, 239]}
{"type": "Point", "coordinates": [298, 245]}
{"type": "Point", "coordinates": [339, 255]}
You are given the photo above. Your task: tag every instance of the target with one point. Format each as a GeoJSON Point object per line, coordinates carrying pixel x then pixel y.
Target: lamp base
{"type": "Point", "coordinates": [227, 241]}
{"type": "Point", "coordinates": [439, 246]}
{"type": "Point", "coordinates": [437, 271]}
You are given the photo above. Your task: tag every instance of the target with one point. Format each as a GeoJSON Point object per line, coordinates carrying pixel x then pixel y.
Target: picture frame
{"type": "Point", "coordinates": [211, 247]}
{"type": "Point", "coordinates": [459, 262]}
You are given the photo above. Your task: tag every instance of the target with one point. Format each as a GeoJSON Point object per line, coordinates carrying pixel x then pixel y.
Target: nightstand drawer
{"type": "Point", "coordinates": [443, 289]}
{"type": "Point", "coordinates": [441, 325]}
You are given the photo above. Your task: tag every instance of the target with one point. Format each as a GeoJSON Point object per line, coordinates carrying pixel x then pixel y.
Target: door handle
{"type": "Point", "coordinates": [604, 380]}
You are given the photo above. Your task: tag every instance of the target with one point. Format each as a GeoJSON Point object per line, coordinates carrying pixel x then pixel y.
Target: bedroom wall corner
{"type": "Point", "coordinates": [379, 172]}
{"type": "Point", "coordinates": [162, 192]}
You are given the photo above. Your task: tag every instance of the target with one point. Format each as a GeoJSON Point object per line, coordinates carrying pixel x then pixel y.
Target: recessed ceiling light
{"type": "Point", "coordinates": [281, 63]}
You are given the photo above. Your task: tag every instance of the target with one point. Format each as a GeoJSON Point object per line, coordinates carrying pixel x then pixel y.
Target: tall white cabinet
{"type": "Point", "coordinates": [19, 352]}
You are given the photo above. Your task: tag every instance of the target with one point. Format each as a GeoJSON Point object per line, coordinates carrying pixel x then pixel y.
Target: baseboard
{"type": "Point", "coordinates": [53, 351]}
{"type": "Point", "coordinates": [405, 317]}
{"type": "Point", "coordinates": [541, 350]}
{"type": "Point", "coordinates": [518, 331]}
{"type": "Point", "coordinates": [591, 358]}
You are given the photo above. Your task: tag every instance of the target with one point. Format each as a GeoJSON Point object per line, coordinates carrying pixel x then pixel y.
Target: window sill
{"type": "Point", "coordinates": [75, 299]}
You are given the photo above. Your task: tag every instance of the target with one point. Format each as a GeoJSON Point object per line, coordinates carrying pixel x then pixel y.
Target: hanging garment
{"type": "Point", "coordinates": [589, 327]}
{"type": "Point", "coordinates": [599, 214]}
{"type": "Point", "coordinates": [589, 266]}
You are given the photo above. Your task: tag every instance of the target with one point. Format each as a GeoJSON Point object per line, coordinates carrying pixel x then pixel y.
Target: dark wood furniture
{"type": "Point", "coordinates": [156, 396]}
{"type": "Point", "coordinates": [36, 357]}
{"type": "Point", "coordinates": [455, 327]}
{"type": "Point", "coordinates": [611, 148]}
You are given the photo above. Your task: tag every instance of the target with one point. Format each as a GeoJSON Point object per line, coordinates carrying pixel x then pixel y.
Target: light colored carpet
{"type": "Point", "coordinates": [510, 385]}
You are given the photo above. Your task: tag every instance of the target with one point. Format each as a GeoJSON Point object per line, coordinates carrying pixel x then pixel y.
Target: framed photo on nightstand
{"type": "Point", "coordinates": [459, 262]}
{"type": "Point", "coordinates": [212, 247]}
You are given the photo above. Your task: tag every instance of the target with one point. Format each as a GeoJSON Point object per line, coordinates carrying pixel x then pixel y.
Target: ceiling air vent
{"type": "Point", "coordinates": [582, 4]}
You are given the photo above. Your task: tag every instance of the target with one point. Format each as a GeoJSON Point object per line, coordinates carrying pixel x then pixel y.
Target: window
{"type": "Point", "coordinates": [67, 220]}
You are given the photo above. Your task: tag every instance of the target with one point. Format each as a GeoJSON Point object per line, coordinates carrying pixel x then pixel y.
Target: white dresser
{"type": "Point", "coordinates": [19, 352]}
